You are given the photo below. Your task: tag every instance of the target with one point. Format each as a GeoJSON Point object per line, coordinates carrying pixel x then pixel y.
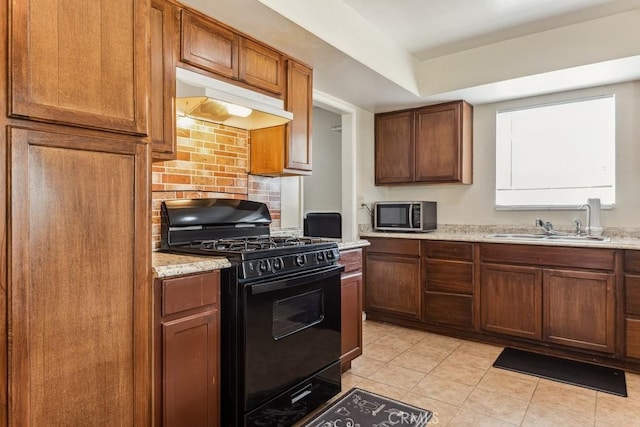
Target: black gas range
{"type": "Point", "coordinates": [280, 308]}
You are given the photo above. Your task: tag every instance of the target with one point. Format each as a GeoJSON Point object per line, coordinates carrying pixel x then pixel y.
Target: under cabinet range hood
{"type": "Point", "coordinates": [204, 98]}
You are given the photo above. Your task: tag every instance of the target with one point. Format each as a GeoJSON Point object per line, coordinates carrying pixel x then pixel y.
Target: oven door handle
{"type": "Point", "coordinates": [299, 279]}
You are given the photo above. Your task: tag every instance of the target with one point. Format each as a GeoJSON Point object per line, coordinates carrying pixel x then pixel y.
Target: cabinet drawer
{"type": "Point", "coordinates": [633, 338]}
{"type": "Point", "coordinates": [449, 276]}
{"type": "Point", "coordinates": [185, 293]}
{"type": "Point", "coordinates": [394, 246]}
{"type": "Point", "coordinates": [351, 259]}
{"type": "Point", "coordinates": [461, 251]}
{"type": "Point", "coordinates": [455, 310]}
{"type": "Point", "coordinates": [632, 294]}
{"type": "Point", "coordinates": [632, 261]}
{"type": "Point", "coordinates": [552, 256]}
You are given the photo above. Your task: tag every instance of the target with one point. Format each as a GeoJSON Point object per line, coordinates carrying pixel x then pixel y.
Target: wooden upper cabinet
{"type": "Point", "coordinates": [82, 63]}
{"type": "Point", "coordinates": [209, 46]}
{"type": "Point", "coordinates": [262, 67]}
{"type": "Point", "coordinates": [430, 144]}
{"type": "Point", "coordinates": [286, 150]}
{"type": "Point", "coordinates": [299, 101]}
{"type": "Point", "coordinates": [218, 49]}
{"type": "Point", "coordinates": [164, 31]}
{"type": "Point", "coordinates": [394, 147]}
{"type": "Point", "coordinates": [443, 143]}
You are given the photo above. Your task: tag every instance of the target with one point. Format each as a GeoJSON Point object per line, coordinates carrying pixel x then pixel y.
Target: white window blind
{"type": "Point", "coordinates": [556, 155]}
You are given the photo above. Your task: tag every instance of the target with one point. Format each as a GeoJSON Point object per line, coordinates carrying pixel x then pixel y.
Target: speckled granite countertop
{"type": "Point", "coordinates": [485, 237]}
{"type": "Point", "coordinates": [167, 265]}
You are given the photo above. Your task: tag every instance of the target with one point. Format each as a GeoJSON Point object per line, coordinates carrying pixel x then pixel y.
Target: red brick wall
{"type": "Point", "coordinates": [212, 161]}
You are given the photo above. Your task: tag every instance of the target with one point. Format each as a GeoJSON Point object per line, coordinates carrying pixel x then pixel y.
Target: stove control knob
{"type": "Point", "coordinates": [278, 264]}
{"type": "Point", "coordinates": [264, 265]}
{"type": "Point", "coordinates": [320, 256]}
{"type": "Point", "coordinates": [330, 255]}
{"type": "Point", "coordinates": [300, 260]}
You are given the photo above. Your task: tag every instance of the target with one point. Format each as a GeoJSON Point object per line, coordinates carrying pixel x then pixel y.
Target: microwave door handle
{"type": "Point", "coordinates": [411, 215]}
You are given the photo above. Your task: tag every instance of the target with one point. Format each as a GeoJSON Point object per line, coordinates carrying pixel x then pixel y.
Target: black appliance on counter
{"type": "Point", "coordinates": [280, 312]}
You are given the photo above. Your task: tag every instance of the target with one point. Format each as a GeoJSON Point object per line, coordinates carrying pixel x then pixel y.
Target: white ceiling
{"type": "Point", "coordinates": [379, 54]}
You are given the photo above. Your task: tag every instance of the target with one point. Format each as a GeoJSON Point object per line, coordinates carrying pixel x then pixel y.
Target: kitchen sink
{"type": "Point", "coordinates": [553, 237]}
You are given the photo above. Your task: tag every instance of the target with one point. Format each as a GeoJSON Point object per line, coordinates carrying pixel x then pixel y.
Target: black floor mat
{"type": "Point", "coordinates": [582, 374]}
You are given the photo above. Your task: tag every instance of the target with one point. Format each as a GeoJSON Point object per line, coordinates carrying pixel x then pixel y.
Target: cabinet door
{"type": "Point", "coordinates": [79, 62]}
{"type": "Point", "coordinates": [579, 309]}
{"type": "Point", "coordinates": [511, 300]}
{"type": "Point", "coordinates": [438, 143]}
{"type": "Point", "coordinates": [164, 47]}
{"type": "Point", "coordinates": [351, 344]}
{"type": "Point", "coordinates": [79, 267]}
{"type": "Point", "coordinates": [393, 285]}
{"type": "Point", "coordinates": [209, 46]}
{"type": "Point", "coordinates": [299, 130]}
{"type": "Point", "coordinates": [394, 148]}
{"type": "Point", "coordinates": [190, 370]}
{"type": "Point", "coordinates": [262, 67]}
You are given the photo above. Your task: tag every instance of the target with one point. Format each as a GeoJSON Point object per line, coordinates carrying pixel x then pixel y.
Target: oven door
{"type": "Point", "coordinates": [292, 331]}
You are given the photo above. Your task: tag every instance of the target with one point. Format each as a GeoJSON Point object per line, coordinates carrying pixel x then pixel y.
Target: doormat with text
{"type": "Point", "coordinates": [595, 377]}
{"type": "Point", "coordinates": [359, 408]}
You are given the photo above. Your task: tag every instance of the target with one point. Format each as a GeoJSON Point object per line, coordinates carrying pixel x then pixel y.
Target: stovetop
{"type": "Point", "coordinates": [267, 256]}
{"type": "Point", "coordinates": [239, 230]}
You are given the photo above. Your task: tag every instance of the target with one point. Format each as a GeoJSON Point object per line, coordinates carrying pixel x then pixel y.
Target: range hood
{"type": "Point", "coordinates": [204, 98]}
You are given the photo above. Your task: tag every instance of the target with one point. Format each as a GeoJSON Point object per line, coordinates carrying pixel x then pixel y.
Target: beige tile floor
{"type": "Point", "coordinates": [454, 379]}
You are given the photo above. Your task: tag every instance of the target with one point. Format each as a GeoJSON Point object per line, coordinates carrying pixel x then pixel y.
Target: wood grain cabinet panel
{"type": "Point", "coordinates": [448, 283]}
{"type": "Point", "coordinates": [186, 377]}
{"type": "Point", "coordinates": [511, 300]}
{"type": "Point", "coordinates": [579, 309]}
{"type": "Point", "coordinates": [299, 100]}
{"type": "Point", "coordinates": [262, 67]}
{"type": "Point", "coordinates": [394, 147]}
{"type": "Point", "coordinates": [286, 150]}
{"type": "Point", "coordinates": [164, 47]}
{"type": "Point", "coordinates": [78, 268]}
{"type": "Point", "coordinates": [351, 332]}
{"type": "Point", "coordinates": [393, 285]}
{"type": "Point", "coordinates": [633, 338]}
{"type": "Point", "coordinates": [82, 63]}
{"type": "Point", "coordinates": [432, 144]}
{"type": "Point", "coordinates": [190, 370]}
{"type": "Point", "coordinates": [443, 151]}
{"type": "Point", "coordinates": [209, 46]}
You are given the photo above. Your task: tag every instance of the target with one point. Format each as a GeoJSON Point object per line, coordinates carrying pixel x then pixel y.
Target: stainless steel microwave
{"type": "Point", "coordinates": [405, 216]}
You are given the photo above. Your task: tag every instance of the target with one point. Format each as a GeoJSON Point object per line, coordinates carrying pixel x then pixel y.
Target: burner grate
{"type": "Point", "coordinates": [250, 244]}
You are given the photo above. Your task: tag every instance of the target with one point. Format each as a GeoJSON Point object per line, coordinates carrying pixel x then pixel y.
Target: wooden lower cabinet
{"type": "Point", "coordinates": [448, 290]}
{"type": "Point", "coordinates": [521, 295]}
{"type": "Point", "coordinates": [632, 303]}
{"type": "Point", "coordinates": [393, 285]}
{"type": "Point", "coordinates": [511, 300]}
{"type": "Point", "coordinates": [579, 309]}
{"type": "Point", "coordinates": [78, 307]}
{"type": "Point", "coordinates": [633, 338]}
{"type": "Point", "coordinates": [187, 350]}
{"type": "Point", "coordinates": [351, 307]}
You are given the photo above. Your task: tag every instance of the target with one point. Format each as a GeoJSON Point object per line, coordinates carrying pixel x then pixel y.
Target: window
{"type": "Point", "coordinates": [556, 156]}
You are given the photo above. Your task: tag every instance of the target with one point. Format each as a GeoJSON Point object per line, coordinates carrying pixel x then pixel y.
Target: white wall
{"type": "Point", "coordinates": [323, 189]}
{"type": "Point", "coordinates": [475, 204]}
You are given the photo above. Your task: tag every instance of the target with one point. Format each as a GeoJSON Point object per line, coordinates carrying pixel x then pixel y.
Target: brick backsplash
{"type": "Point", "coordinates": [212, 161]}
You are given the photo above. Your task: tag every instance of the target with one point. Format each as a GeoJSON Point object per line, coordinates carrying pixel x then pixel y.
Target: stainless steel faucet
{"type": "Point", "coordinates": [546, 225]}
{"type": "Point", "coordinates": [588, 228]}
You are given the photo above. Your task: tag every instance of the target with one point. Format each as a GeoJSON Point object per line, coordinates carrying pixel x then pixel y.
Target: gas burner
{"type": "Point", "coordinates": [248, 244]}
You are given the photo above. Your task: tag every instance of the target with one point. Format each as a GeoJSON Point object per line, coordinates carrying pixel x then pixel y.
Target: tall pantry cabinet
{"type": "Point", "coordinates": [74, 278]}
